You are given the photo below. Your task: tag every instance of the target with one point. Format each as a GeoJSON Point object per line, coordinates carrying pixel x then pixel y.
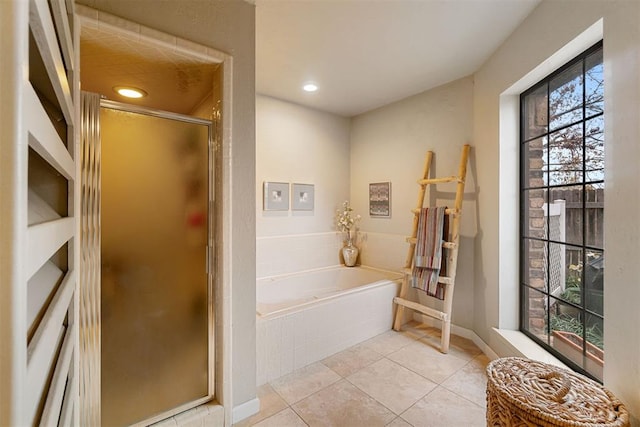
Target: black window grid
{"type": "Point", "coordinates": [525, 186]}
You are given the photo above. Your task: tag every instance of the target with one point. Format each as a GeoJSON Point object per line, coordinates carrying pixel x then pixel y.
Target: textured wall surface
{"type": "Point", "coordinates": [295, 144]}
{"type": "Point", "coordinates": [390, 144]}
{"type": "Point", "coordinates": [553, 34]}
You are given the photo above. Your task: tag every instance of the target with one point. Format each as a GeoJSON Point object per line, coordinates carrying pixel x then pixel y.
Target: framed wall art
{"type": "Point", "coordinates": [276, 196]}
{"type": "Point", "coordinates": [302, 196]}
{"type": "Point", "coordinates": [380, 199]}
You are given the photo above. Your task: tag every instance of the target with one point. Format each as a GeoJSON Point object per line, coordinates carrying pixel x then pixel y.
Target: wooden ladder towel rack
{"type": "Point", "coordinates": [451, 246]}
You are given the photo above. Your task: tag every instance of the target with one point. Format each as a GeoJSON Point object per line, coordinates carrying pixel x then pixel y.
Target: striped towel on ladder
{"type": "Point", "coordinates": [428, 259]}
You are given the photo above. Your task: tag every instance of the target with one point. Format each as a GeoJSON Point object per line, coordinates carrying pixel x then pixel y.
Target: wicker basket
{"type": "Point", "coordinates": [522, 392]}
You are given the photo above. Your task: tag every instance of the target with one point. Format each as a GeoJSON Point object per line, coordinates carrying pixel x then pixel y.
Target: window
{"type": "Point", "coordinates": [561, 212]}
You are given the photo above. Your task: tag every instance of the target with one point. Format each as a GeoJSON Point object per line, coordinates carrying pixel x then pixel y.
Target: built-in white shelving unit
{"type": "Point", "coordinates": [39, 227]}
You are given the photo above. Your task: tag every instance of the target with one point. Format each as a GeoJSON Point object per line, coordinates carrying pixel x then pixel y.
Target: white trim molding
{"type": "Point", "coordinates": [245, 410]}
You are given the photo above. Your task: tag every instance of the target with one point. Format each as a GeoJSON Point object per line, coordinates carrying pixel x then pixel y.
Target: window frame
{"type": "Point", "coordinates": [524, 186]}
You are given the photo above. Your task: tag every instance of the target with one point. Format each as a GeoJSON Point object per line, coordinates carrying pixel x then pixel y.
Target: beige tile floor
{"type": "Point", "coordinates": [395, 379]}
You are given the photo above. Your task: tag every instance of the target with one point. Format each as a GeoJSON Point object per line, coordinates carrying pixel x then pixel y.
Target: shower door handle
{"type": "Point", "coordinates": [209, 251]}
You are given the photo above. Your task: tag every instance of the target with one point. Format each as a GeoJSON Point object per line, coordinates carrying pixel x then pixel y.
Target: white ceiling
{"type": "Point", "coordinates": [366, 54]}
{"type": "Point", "coordinates": [363, 54]}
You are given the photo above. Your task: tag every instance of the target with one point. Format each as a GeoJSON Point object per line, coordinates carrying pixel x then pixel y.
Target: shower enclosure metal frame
{"type": "Point", "coordinates": [221, 408]}
{"type": "Point", "coordinates": [210, 248]}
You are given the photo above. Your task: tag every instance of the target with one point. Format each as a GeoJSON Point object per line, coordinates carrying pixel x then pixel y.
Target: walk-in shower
{"type": "Point", "coordinates": [156, 290]}
{"type": "Point", "coordinates": [153, 291]}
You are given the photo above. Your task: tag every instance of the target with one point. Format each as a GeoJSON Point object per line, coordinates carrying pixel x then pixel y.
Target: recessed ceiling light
{"type": "Point", "coordinates": [130, 91]}
{"type": "Point", "coordinates": [310, 87]}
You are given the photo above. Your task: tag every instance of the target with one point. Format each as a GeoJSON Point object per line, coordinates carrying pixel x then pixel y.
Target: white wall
{"type": "Point", "coordinates": [228, 26]}
{"type": "Point", "coordinates": [390, 144]}
{"type": "Point", "coordinates": [544, 33]}
{"type": "Point", "coordinates": [295, 144]}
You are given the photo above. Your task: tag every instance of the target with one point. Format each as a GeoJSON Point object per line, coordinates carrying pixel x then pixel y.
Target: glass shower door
{"type": "Point", "coordinates": [155, 287]}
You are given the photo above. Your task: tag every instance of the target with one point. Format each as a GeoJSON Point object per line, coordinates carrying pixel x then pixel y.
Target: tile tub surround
{"type": "Point", "coordinates": [294, 339]}
{"type": "Point", "coordinates": [277, 255]}
{"type": "Point", "coordinates": [375, 384]}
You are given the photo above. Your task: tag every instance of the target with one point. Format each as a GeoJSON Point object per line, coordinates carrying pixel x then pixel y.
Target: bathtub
{"type": "Point", "coordinates": [305, 317]}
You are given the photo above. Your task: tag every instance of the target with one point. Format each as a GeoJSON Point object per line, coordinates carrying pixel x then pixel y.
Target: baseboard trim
{"type": "Point", "coordinates": [245, 410]}
{"type": "Point", "coordinates": [461, 332]}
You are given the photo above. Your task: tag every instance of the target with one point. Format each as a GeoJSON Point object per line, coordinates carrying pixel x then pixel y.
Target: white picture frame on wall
{"type": "Point", "coordinates": [276, 196]}
{"type": "Point", "coordinates": [302, 197]}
